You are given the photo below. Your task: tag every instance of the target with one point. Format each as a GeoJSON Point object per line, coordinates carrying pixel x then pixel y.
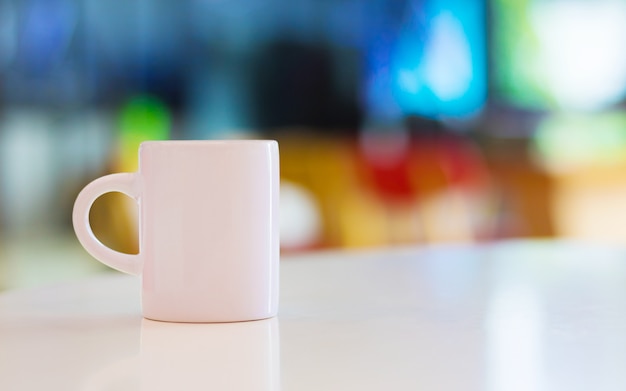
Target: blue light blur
{"type": "Point", "coordinates": [45, 33]}
{"type": "Point", "coordinates": [433, 65]}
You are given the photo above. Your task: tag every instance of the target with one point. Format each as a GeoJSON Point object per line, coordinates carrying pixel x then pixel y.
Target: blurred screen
{"type": "Point", "coordinates": [249, 64]}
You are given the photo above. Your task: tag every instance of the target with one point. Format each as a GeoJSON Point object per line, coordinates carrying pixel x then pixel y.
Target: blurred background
{"type": "Point", "coordinates": [399, 121]}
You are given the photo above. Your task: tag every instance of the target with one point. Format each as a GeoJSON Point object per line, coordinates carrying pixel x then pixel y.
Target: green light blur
{"type": "Point", "coordinates": [572, 140]}
{"type": "Point", "coordinates": [517, 61]}
{"type": "Point", "coordinates": [143, 118]}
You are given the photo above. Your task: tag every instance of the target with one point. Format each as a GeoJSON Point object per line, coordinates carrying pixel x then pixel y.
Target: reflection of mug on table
{"type": "Point", "coordinates": [208, 229]}
{"type": "Point", "coordinates": [225, 356]}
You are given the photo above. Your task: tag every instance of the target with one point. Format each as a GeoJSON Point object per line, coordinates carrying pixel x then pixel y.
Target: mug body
{"type": "Point", "coordinates": [209, 235]}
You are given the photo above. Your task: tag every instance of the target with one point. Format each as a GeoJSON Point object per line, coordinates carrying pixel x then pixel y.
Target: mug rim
{"type": "Point", "coordinates": [151, 144]}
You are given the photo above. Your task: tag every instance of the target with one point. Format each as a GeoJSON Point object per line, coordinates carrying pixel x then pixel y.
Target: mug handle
{"type": "Point", "coordinates": [126, 183]}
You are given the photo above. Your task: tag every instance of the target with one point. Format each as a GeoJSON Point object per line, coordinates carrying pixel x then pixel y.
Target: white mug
{"type": "Point", "coordinates": [208, 229]}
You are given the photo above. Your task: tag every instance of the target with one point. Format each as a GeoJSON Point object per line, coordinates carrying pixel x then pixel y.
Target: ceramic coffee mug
{"type": "Point", "coordinates": [208, 229]}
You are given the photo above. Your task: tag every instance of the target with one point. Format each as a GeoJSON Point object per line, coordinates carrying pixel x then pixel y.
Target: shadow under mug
{"type": "Point", "coordinates": [208, 229]}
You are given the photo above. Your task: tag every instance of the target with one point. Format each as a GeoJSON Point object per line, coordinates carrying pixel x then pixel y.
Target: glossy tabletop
{"type": "Point", "coordinates": [507, 316]}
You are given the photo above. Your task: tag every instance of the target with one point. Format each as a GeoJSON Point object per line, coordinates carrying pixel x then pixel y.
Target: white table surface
{"type": "Point", "coordinates": [511, 316]}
